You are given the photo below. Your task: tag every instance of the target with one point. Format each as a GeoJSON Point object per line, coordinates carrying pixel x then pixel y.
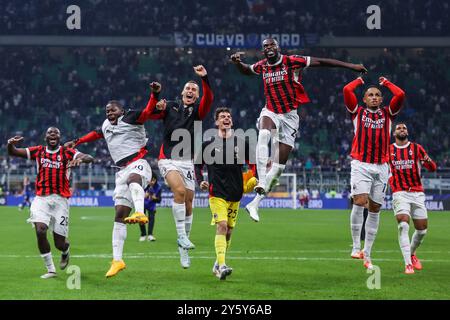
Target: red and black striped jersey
{"type": "Point", "coordinates": [406, 162]}
{"type": "Point", "coordinates": [282, 87]}
{"type": "Point", "coordinates": [372, 131]}
{"type": "Point", "coordinates": [52, 166]}
{"type": "Point", "coordinates": [372, 128]}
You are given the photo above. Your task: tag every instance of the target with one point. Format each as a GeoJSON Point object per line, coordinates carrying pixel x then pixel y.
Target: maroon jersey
{"type": "Point", "coordinates": [282, 87]}
{"type": "Point", "coordinates": [372, 135]}
{"type": "Point", "coordinates": [406, 164]}
{"type": "Point", "coordinates": [53, 174]}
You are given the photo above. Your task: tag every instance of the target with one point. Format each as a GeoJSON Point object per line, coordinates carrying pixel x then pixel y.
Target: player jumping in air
{"type": "Point", "coordinates": [124, 133]}
{"type": "Point", "coordinates": [175, 165]}
{"type": "Point", "coordinates": [408, 199]}
{"type": "Point", "coordinates": [50, 207]}
{"type": "Point", "coordinates": [370, 154]}
{"type": "Point", "coordinates": [284, 93]}
{"type": "Point", "coordinates": [225, 183]}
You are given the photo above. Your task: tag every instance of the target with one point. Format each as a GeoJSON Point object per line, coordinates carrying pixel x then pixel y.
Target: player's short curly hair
{"type": "Point", "coordinates": [219, 110]}
{"type": "Point", "coordinates": [116, 102]}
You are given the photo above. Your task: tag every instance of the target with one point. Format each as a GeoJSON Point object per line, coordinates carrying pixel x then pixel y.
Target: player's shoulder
{"type": "Point", "coordinates": [295, 56]}
{"type": "Point", "coordinates": [261, 62]}
{"type": "Point", "coordinates": [105, 124]}
{"type": "Point", "coordinates": [417, 145]}
{"type": "Point", "coordinates": [36, 148]}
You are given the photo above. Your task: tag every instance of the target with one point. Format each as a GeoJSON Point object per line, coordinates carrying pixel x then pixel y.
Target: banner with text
{"type": "Point", "coordinates": [243, 40]}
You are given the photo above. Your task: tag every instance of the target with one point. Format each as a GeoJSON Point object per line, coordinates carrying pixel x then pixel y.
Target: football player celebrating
{"type": "Point", "coordinates": [408, 199]}
{"type": "Point", "coordinates": [50, 207]}
{"type": "Point", "coordinates": [175, 165]}
{"type": "Point", "coordinates": [284, 93]}
{"type": "Point", "coordinates": [370, 154]}
{"type": "Point", "coordinates": [125, 136]}
{"type": "Point", "coordinates": [226, 184]}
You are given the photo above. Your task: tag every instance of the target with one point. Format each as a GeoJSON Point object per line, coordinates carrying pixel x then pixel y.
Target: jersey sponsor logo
{"type": "Point", "coordinates": [46, 163]}
{"type": "Point", "coordinates": [373, 124]}
{"type": "Point", "coordinates": [403, 164]}
{"type": "Point", "coordinates": [277, 76]}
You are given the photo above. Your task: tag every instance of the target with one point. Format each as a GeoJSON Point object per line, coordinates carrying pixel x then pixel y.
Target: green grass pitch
{"type": "Point", "coordinates": [287, 255]}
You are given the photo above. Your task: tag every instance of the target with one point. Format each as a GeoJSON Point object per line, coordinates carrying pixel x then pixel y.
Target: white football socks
{"type": "Point", "coordinates": [372, 222]}
{"type": "Point", "coordinates": [48, 260]}
{"type": "Point", "coordinates": [274, 173]}
{"type": "Point", "coordinates": [118, 239]}
{"type": "Point", "coordinates": [403, 240]}
{"type": "Point", "coordinates": [138, 195]}
{"type": "Point", "coordinates": [262, 155]}
{"type": "Point", "coordinates": [356, 222]}
{"type": "Point", "coordinates": [188, 224]}
{"type": "Point", "coordinates": [179, 215]}
{"type": "Point", "coordinates": [417, 239]}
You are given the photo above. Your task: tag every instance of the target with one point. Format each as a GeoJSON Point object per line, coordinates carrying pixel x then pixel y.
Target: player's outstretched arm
{"type": "Point", "coordinates": [146, 114]}
{"type": "Point", "coordinates": [325, 62]}
{"type": "Point", "coordinates": [16, 152]}
{"type": "Point", "coordinates": [350, 100]}
{"type": "Point", "coordinates": [242, 67]}
{"type": "Point", "coordinates": [90, 137]}
{"type": "Point", "coordinates": [208, 96]}
{"type": "Point", "coordinates": [399, 95]}
{"type": "Point", "coordinates": [79, 159]}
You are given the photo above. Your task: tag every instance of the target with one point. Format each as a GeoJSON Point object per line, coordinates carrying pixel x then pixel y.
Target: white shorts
{"type": "Point", "coordinates": [122, 193]}
{"type": "Point", "coordinates": [287, 125]}
{"type": "Point", "coordinates": [53, 211]}
{"type": "Point", "coordinates": [184, 167]}
{"type": "Point", "coordinates": [410, 203]}
{"type": "Point", "coordinates": [369, 178]}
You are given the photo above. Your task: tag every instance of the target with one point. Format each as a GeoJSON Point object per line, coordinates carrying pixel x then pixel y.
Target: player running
{"type": "Point", "coordinates": [408, 199]}
{"type": "Point", "coordinates": [370, 154]}
{"type": "Point", "coordinates": [225, 183]}
{"type": "Point", "coordinates": [284, 93]}
{"type": "Point", "coordinates": [124, 133]}
{"type": "Point", "coordinates": [50, 207]}
{"type": "Point", "coordinates": [175, 165]}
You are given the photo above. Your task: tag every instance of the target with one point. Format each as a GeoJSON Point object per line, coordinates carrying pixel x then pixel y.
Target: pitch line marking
{"type": "Point", "coordinates": [139, 256]}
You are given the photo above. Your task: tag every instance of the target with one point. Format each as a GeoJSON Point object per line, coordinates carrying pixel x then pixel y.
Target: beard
{"type": "Point", "coordinates": [402, 138]}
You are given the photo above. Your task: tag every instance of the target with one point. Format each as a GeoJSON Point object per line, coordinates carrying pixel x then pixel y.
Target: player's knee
{"type": "Point", "coordinates": [179, 194]}
{"type": "Point", "coordinates": [134, 178]}
{"type": "Point", "coordinates": [222, 227]}
{"type": "Point", "coordinates": [374, 207]}
{"type": "Point", "coordinates": [263, 136]}
{"type": "Point", "coordinates": [41, 230]}
{"type": "Point", "coordinates": [360, 200]}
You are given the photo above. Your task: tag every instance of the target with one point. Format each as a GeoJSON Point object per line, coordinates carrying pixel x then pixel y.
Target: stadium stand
{"type": "Point", "coordinates": [132, 17]}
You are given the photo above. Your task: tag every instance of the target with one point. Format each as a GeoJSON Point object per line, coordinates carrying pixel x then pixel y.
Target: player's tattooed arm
{"type": "Point", "coordinates": [242, 67]}
{"type": "Point", "coordinates": [80, 158]}
{"type": "Point", "coordinates": [325, 62]}
{"type": "Point", "coordinates": [17, 152]}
